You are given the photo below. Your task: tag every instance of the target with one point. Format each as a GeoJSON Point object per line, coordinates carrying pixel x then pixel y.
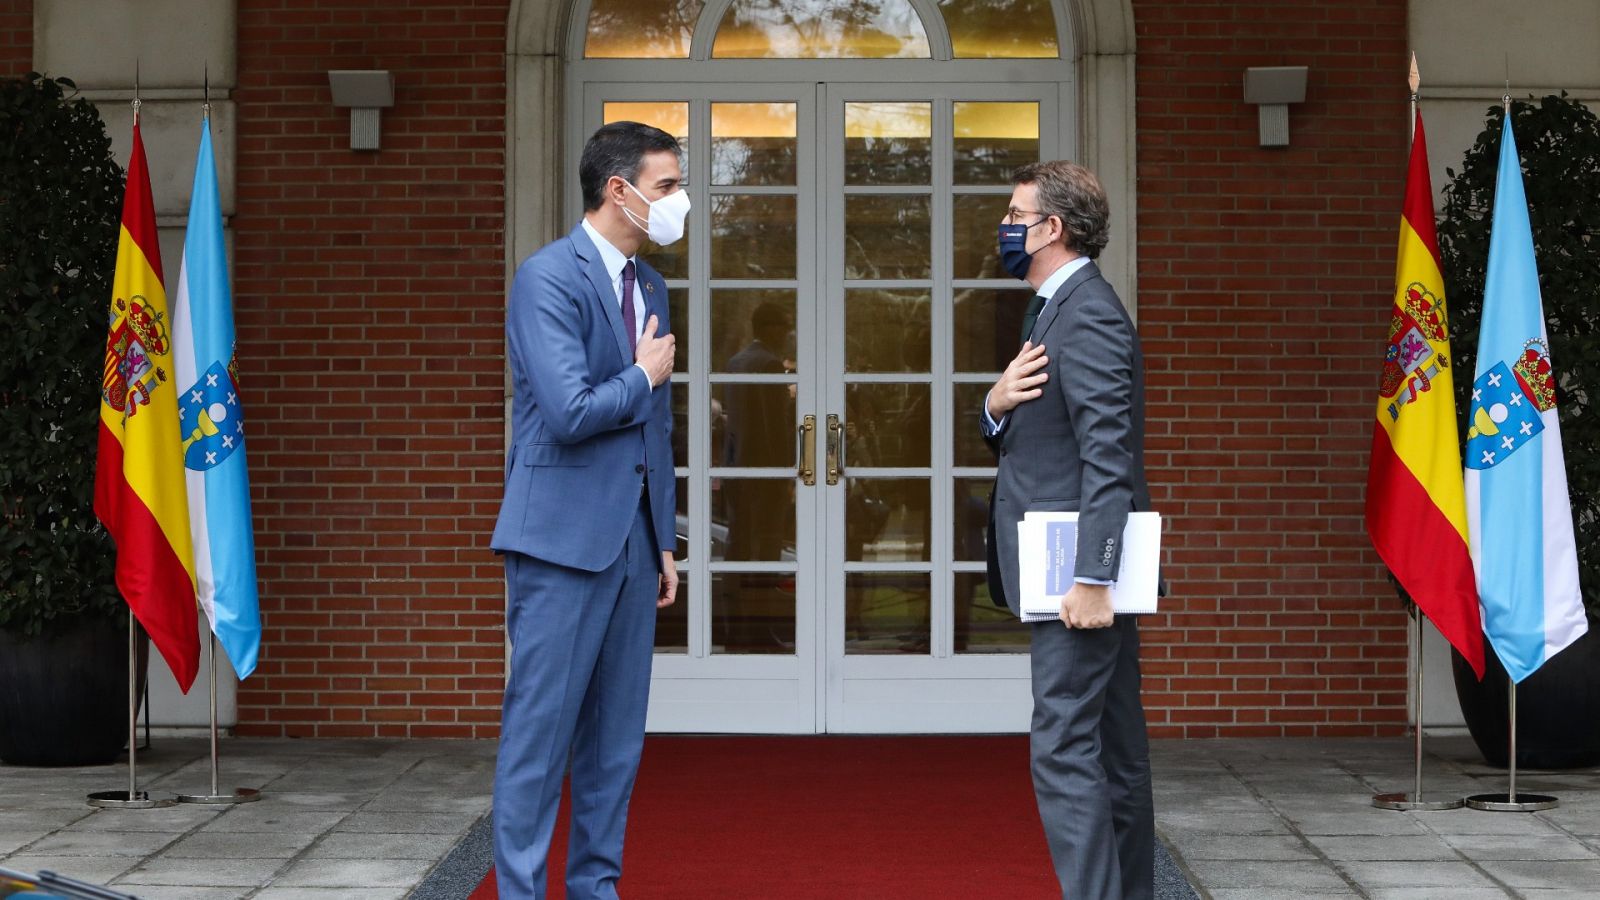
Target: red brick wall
{"type": "Point", "coordinates": [16, 38]}
{"type": "Point", "coordinates": [370, 292]}
{"type": "Point", "coordinates": [1264, 280]}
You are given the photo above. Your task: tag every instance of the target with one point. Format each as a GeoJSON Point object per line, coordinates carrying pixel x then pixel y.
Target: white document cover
{"type": "Point", "coordinates": [1047, 544]}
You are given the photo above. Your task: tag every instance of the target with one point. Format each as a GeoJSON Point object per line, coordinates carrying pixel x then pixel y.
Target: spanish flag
{"type": "Point", "coordinates": [139, 489]}
{"type": "Point", "coordinates": [1416, 505]}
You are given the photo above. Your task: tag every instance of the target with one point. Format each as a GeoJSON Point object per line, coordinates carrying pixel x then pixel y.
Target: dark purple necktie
{"type": "Point", "coordinates": [630, 322]}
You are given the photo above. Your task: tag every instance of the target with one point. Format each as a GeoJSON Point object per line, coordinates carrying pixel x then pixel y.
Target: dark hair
{"type": "Point", "coordinates": [618, 149]}
{"type": "Point", "coordinates": [1073, 194]}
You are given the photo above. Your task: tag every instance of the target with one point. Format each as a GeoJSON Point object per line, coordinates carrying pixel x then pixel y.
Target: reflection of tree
{"type": "Point", "coordinates": [809, 29]}
{"type": "Point", "coordinates": [649, 29]}
{"type": "Point", "coordinates": [1001, 28]}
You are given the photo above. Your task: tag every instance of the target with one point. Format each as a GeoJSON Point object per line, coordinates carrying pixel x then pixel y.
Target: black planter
{"type": "Point", "coordinates": [1558, 708]}
{"type": "Point", "coordinates": [64, 699]}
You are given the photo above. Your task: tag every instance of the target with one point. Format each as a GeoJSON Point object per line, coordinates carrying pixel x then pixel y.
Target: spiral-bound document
{"type": "Point", "coordinates": [1047, 545]}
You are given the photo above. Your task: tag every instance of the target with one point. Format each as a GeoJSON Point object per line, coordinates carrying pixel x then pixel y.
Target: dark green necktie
{"type": "Point", "coordinates": [1031, 315]}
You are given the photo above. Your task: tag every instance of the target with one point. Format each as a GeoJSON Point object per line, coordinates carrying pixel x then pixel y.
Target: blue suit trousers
{"type": "Point", "coordinates": [579, 685]}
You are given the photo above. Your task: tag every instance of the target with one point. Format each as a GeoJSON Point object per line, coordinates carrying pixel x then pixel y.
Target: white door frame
{"type": "Point", "coordinates": [546, 79]}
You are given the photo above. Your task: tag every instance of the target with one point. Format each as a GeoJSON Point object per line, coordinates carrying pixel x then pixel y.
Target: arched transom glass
{"type": "Point", "coordinates": [822, 29]}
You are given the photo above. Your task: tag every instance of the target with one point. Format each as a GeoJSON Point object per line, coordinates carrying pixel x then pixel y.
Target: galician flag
{"type": "Point", "coordinates": [1416, 512]}
{"type": "Point", "coordinates": [211, 422]}
{"type": "Point", "coordinates": [1516, 480]}
{"type": "Point", "coordinates": [139, 483]}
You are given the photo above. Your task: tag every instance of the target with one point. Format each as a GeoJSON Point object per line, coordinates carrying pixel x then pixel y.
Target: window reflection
{"type": "Point", "coordinates": [888, 236]}
{"type": "Point", "coordinates": [752, 612]}
{"type": "Point", "coordinates": [886, 331]}
{"type": "Point", "coordinates": [672, 623]}
{"type": "Point", "coordinates": [980, 626]}
{"type": "Point", "coordinates": [818, 29]}
{"type": "Point", "coordinates": [966, 402]}
{"type": "Point", "coordinates": [888, 143]}
{"type": "Point", "coordinates": [887, 520]}
{"type": "Point", "coordinates": [992, 139]}
{"type": "Point", "coordinates": [995, 29]}
{"type": "Point", "coordinates": [752, 236]}
{"type": "Point", "coordinates": [753, 143]}
{"type": "Point", "coordinates": [887, 612]}
{"type": "Point", "coordinates": [988, 327]}
{"type": "Point", "coordinates": [641, 29]}
{"type": "Point", "coordinates": [886, 425]}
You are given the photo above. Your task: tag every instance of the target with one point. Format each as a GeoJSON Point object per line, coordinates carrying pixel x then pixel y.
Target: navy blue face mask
{"type": "Point", "coordinates": [1014, 255]}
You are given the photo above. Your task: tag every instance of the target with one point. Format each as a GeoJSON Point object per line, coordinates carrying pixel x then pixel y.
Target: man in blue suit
{"type": "Point", "coordinates": [587, 526]}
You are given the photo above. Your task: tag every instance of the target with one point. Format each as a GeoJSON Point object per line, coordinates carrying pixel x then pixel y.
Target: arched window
{"type": "Point", "coordinates": [823, 29]}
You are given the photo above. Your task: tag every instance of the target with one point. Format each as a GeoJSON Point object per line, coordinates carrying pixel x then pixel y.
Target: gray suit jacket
{"type": "Point", "coordinates": [1079, 446]}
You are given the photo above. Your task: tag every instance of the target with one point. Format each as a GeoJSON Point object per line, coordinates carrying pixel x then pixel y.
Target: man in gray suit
{"type": "Point", "coordinates": [1067, 421]}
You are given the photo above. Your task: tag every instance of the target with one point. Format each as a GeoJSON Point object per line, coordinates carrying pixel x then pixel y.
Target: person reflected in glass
{"type": "Point", "coordinates": [1067, 421]}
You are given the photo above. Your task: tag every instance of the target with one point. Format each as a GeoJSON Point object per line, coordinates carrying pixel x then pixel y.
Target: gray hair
{"type": "Point", "coordinates": [1072, 194]}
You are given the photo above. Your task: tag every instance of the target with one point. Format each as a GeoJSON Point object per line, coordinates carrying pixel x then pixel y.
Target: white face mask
{"type": "Point", "coordinates": [665, 224]}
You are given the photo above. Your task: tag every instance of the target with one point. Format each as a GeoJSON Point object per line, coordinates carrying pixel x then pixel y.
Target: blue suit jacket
{"type": "Point", "coordinates": [586, 427]}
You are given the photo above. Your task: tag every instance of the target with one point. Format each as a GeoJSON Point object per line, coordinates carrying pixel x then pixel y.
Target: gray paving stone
{"type": "Point", "coordinates": [189, 892]}
{"type": "Point", "coordinates": [262, 816]}
{"type": "Point", "coordinates": [1245, 847]}
{"type": "Point", "coordinates": [1278, 894]}
{"type": "Point", "coordinates": [1520, 846]}
{"type": "Point", "coordinates": [357, 845]}
{"type": "Point", "coordinates": [241, 845]}
{"type": "Point", "coordinates": [354, 873]}
{"type": "Point", "coordinates": [1359, 848]}
{"type": "Point", "coordinates": [11, 841]}
{"type": "Point", "coordinates": [1279, 876]}
{"type": "Point", "coordinates": [1563, 875]}
{"type": "Point", "coordinates": [177, 819]}
{"type": "Point", "coordinates": [407, 823]}
{"type": "Point", "coordinates": [1473, 821]}
{"type": "Point", "coordinates": [102, 843]}
{"type": "Point", "coordinates": [1434, 894]}
{"type": "Point", "coordinates": [332, 894]}
{"type": "Point", "coordinates": [1413, 873]}
{"type": "Point", "coordinates": [42, 821]}
{"type": "Point", "coordinates": [84, 868]}
{"type": "Point", "coordinates": [1372, 822]}
{"type": "Point", "coordinates": [323, 800]}
{"type": "Point", "coordinates": [203, 872]}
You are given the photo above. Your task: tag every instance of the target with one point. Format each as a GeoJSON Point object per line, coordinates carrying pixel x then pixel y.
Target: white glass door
{"type": "Point", "coordinates": [917, 321]}
{"type": "Point", "coordinates": [839, 314]}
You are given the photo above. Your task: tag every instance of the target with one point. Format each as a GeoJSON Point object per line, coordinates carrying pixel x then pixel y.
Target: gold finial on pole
{"type": "Point", "coordinates": [1414, 80]}
{"type": "Point", "coordinates": [136, 101]}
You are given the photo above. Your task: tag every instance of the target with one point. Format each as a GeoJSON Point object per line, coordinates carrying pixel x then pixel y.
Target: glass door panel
{"type": "Point", "coordinates": [738, 651]}
{"type": "Point", "coordinates": [919, 321]}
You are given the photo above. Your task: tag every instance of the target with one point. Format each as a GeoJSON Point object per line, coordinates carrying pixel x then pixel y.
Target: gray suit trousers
{"type": "Point", "coordinates": [1091, 760]}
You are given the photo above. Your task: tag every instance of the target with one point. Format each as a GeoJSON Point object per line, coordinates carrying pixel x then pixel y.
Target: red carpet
{"type": "Point", "coordinates": [830, 816]}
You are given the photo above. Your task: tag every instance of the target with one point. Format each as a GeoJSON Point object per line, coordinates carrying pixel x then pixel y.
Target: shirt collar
{"type": "Point", "coordinates": [609, 254]}
{"type": "Point", "coordinates": [1060, 276]}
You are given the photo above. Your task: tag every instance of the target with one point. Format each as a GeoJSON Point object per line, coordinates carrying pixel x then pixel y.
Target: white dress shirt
{"type": "Point", "coordinates": [614, 262]}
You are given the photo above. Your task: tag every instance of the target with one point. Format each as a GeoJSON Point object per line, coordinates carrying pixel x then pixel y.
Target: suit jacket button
{"type": "Point", "coordinates": [639, 469]}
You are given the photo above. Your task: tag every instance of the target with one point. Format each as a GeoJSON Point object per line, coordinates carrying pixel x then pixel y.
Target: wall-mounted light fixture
{"type": "Point", "coordinates": [1273, 88]}
{"type": "Point", "coordinates": [365, 91]}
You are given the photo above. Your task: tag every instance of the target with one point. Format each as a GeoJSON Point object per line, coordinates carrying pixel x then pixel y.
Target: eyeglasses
{"type": "Point", "coordinates": [1014, 215]}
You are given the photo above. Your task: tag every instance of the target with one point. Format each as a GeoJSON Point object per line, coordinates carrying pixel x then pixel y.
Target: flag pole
{"type": "Point", "coordinates": [1415, 799]}
{"type": "Point", "coordinates": [238, 795]}
{"type": "Point", "coordinates": [132, 798]}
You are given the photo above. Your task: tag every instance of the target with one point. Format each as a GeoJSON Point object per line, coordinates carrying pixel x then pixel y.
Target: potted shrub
{"type": "Point", "coordinates": [63, 626]}
{"type": "Point", "coordinates": [1558, 707]}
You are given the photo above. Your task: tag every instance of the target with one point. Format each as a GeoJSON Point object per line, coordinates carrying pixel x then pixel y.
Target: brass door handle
{"type": "Point", "coordinates": [806, 435]}
{"type": "Point", "coordinates": [835, 448]}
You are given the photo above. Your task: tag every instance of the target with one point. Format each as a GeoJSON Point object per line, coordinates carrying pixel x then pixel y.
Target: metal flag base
{"type": "Point", "coordinates": [240, 795]}
{"type": "Point", "coordinates": [132, 798]}
{"type": "Point", "coordinates": [139, 800]}
{"type": "Point", "coordinates": [1512, 802]}
{"type": "Point", "coordinates": [1415, 799]}
{"type": "Point", "coordinates": [1409, 800]}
